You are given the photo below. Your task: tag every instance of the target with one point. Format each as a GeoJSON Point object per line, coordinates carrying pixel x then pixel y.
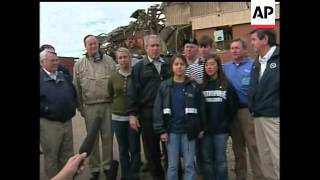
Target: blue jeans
{"type": "Point", "coordinates": [214, 156]}
{"type": "Point", "coordinates": [129, 149]}
{"type": "Point", "coordinates": [179, 143]}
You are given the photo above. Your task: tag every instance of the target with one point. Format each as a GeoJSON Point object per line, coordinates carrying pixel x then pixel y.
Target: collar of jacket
{"type": "Point", "coordinates": [185, 82]}
{"type": "Point", "coordinates": [96, 58]}
{"type": "Point", "coordinates": [124, 74]}
{"type": "Point", "coordinates": [146, 61]}
{"type": "Point", "coordinates": [46, 77]}
{"type": "Point", "coordinates": [275, 53]}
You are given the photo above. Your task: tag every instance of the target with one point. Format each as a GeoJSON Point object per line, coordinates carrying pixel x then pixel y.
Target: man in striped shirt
{"type": "Point", "coordinates": [195, 68]}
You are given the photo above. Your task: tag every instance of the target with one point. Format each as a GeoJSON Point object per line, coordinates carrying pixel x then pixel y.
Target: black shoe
{"type": "Point", "coordinates": [145, 167]}
{"type": "Point", "coordinates": [94, 176]}
{"type": "Point", "coordinates": [112, 173]}
{"type": "Point", "coordinates": [158, 178]}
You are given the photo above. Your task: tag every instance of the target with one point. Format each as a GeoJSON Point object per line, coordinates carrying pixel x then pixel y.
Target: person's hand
{"type": "Point", "coordinates": [81, 110]}
{"type": "Point", "coordinates": [192, 76]}
{"type": "Point", "coordinates": [199, 81]}
{"type": "Point", "coordinates": [200, 136]}
{"type": "Point", "coordinates": [82, 113]}
{"type": "Point", "coordinates": [74, 166]}
{"type": "Point", "coordinates": [164, 137]}
{"type": "Point", "coordinates": [134, 123]}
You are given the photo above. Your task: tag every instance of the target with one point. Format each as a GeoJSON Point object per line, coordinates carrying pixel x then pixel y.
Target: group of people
{"type": "Point", "coordinates": [185, 107]}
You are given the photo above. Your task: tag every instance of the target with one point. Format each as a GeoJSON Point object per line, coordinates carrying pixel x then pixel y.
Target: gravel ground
{"type": "Point", "coordinates": [79, 133]}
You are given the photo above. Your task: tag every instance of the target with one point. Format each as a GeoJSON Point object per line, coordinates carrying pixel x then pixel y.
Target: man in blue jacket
{"type": "Point", "coordinates": [61, 67]}
{"type": "Point", "coordinates": [57, 107]}
{"type": "Point", "coordinates": [242, 131]}
{"type": "Point", "coordinates": [264, 99]}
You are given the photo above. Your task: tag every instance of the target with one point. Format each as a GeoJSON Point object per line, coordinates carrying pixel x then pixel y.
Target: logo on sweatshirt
{"type": "Point", "coordinates": [215, 95]}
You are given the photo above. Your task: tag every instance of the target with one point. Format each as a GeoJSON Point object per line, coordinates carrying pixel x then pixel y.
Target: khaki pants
{"type": "Point", "coordinates": [268, 139]}
{"type": "Point", "coordinates": [102, 110]}
{"type": "Point", "coordinates": [243, 137]}
{"type": "Point", "coordinates": [56, 139]}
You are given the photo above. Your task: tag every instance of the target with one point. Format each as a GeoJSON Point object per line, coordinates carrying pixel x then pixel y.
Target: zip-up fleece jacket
{"type": "Point", "coordinates": [194, 108]}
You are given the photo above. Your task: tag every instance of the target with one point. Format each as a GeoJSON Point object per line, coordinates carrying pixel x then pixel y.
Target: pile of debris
{"type": "Point", "coordinates": [150, 22]}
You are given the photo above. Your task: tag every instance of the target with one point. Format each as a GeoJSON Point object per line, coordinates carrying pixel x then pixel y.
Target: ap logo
{"type": "Point", "coordinates": [263, 14]}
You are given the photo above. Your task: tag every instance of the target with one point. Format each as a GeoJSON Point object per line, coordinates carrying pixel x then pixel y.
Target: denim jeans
{"type": "Point", "coordinates": [179, 143]}
{"type": "Point", "coordinates": [129, 149]}
{"type": "Point", "coordinates": [214, 156]}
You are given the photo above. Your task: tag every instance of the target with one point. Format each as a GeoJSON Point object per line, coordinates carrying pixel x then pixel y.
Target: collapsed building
{"type": "Point", "coordinates": [177, 21]}
{"type": "Point", "coordinates": [150, 22]}
{"type": "Point", "coordinates": [222, 21]}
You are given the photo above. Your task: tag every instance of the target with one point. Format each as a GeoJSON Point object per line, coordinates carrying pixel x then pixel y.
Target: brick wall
{"type": "Point", "coordinates": [241, 30]}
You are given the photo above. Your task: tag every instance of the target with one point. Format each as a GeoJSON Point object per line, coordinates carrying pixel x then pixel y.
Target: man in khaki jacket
{"type": "Point", "coordinates": [91, 75]}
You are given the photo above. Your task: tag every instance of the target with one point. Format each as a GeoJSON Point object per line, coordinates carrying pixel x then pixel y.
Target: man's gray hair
{"type": "Point", "coordinates": [147, 37]}
{"type": "Point", "coordinates": [44, 53]}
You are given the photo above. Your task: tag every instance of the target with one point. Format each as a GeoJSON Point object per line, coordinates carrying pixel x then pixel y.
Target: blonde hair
{"type": "Point", "coordinates": [123, 49]}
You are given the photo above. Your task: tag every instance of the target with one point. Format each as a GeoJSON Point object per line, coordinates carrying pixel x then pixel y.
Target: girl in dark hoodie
{"type": "Point", "coordinates": [221, 103]}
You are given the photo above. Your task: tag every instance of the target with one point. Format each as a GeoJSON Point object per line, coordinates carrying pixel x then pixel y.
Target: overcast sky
{"type": "Point", "coordinates": [64, 24]}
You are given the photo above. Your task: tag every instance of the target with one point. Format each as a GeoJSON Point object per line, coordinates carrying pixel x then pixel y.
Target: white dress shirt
{"type": "Point", "coordinates": [263, 60]}
{"type": "Point", "coordinates": [156, 63]}
{"type": "Point", "coordinates": [51, 75]}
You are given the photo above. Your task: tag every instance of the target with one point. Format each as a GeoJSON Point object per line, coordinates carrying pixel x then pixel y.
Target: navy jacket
{"type": "Point", "coordinates": [264, 94]}
{"type": "Point", "coordinates": [64, 69]}
{"type": "Point", "coordinates": [57, 97]}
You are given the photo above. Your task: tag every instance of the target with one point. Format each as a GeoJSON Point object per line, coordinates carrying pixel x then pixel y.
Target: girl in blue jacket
{"type": "Point", "coordinates": [221, 104]}
{"type": "Point", "coordinates": [178, 119]}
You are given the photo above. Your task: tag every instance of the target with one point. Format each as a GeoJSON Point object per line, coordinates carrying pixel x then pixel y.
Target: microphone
{"type": "Point", "coordinates": [92, 133]}
{"type": "Point", "coordinates": [88, 142]}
